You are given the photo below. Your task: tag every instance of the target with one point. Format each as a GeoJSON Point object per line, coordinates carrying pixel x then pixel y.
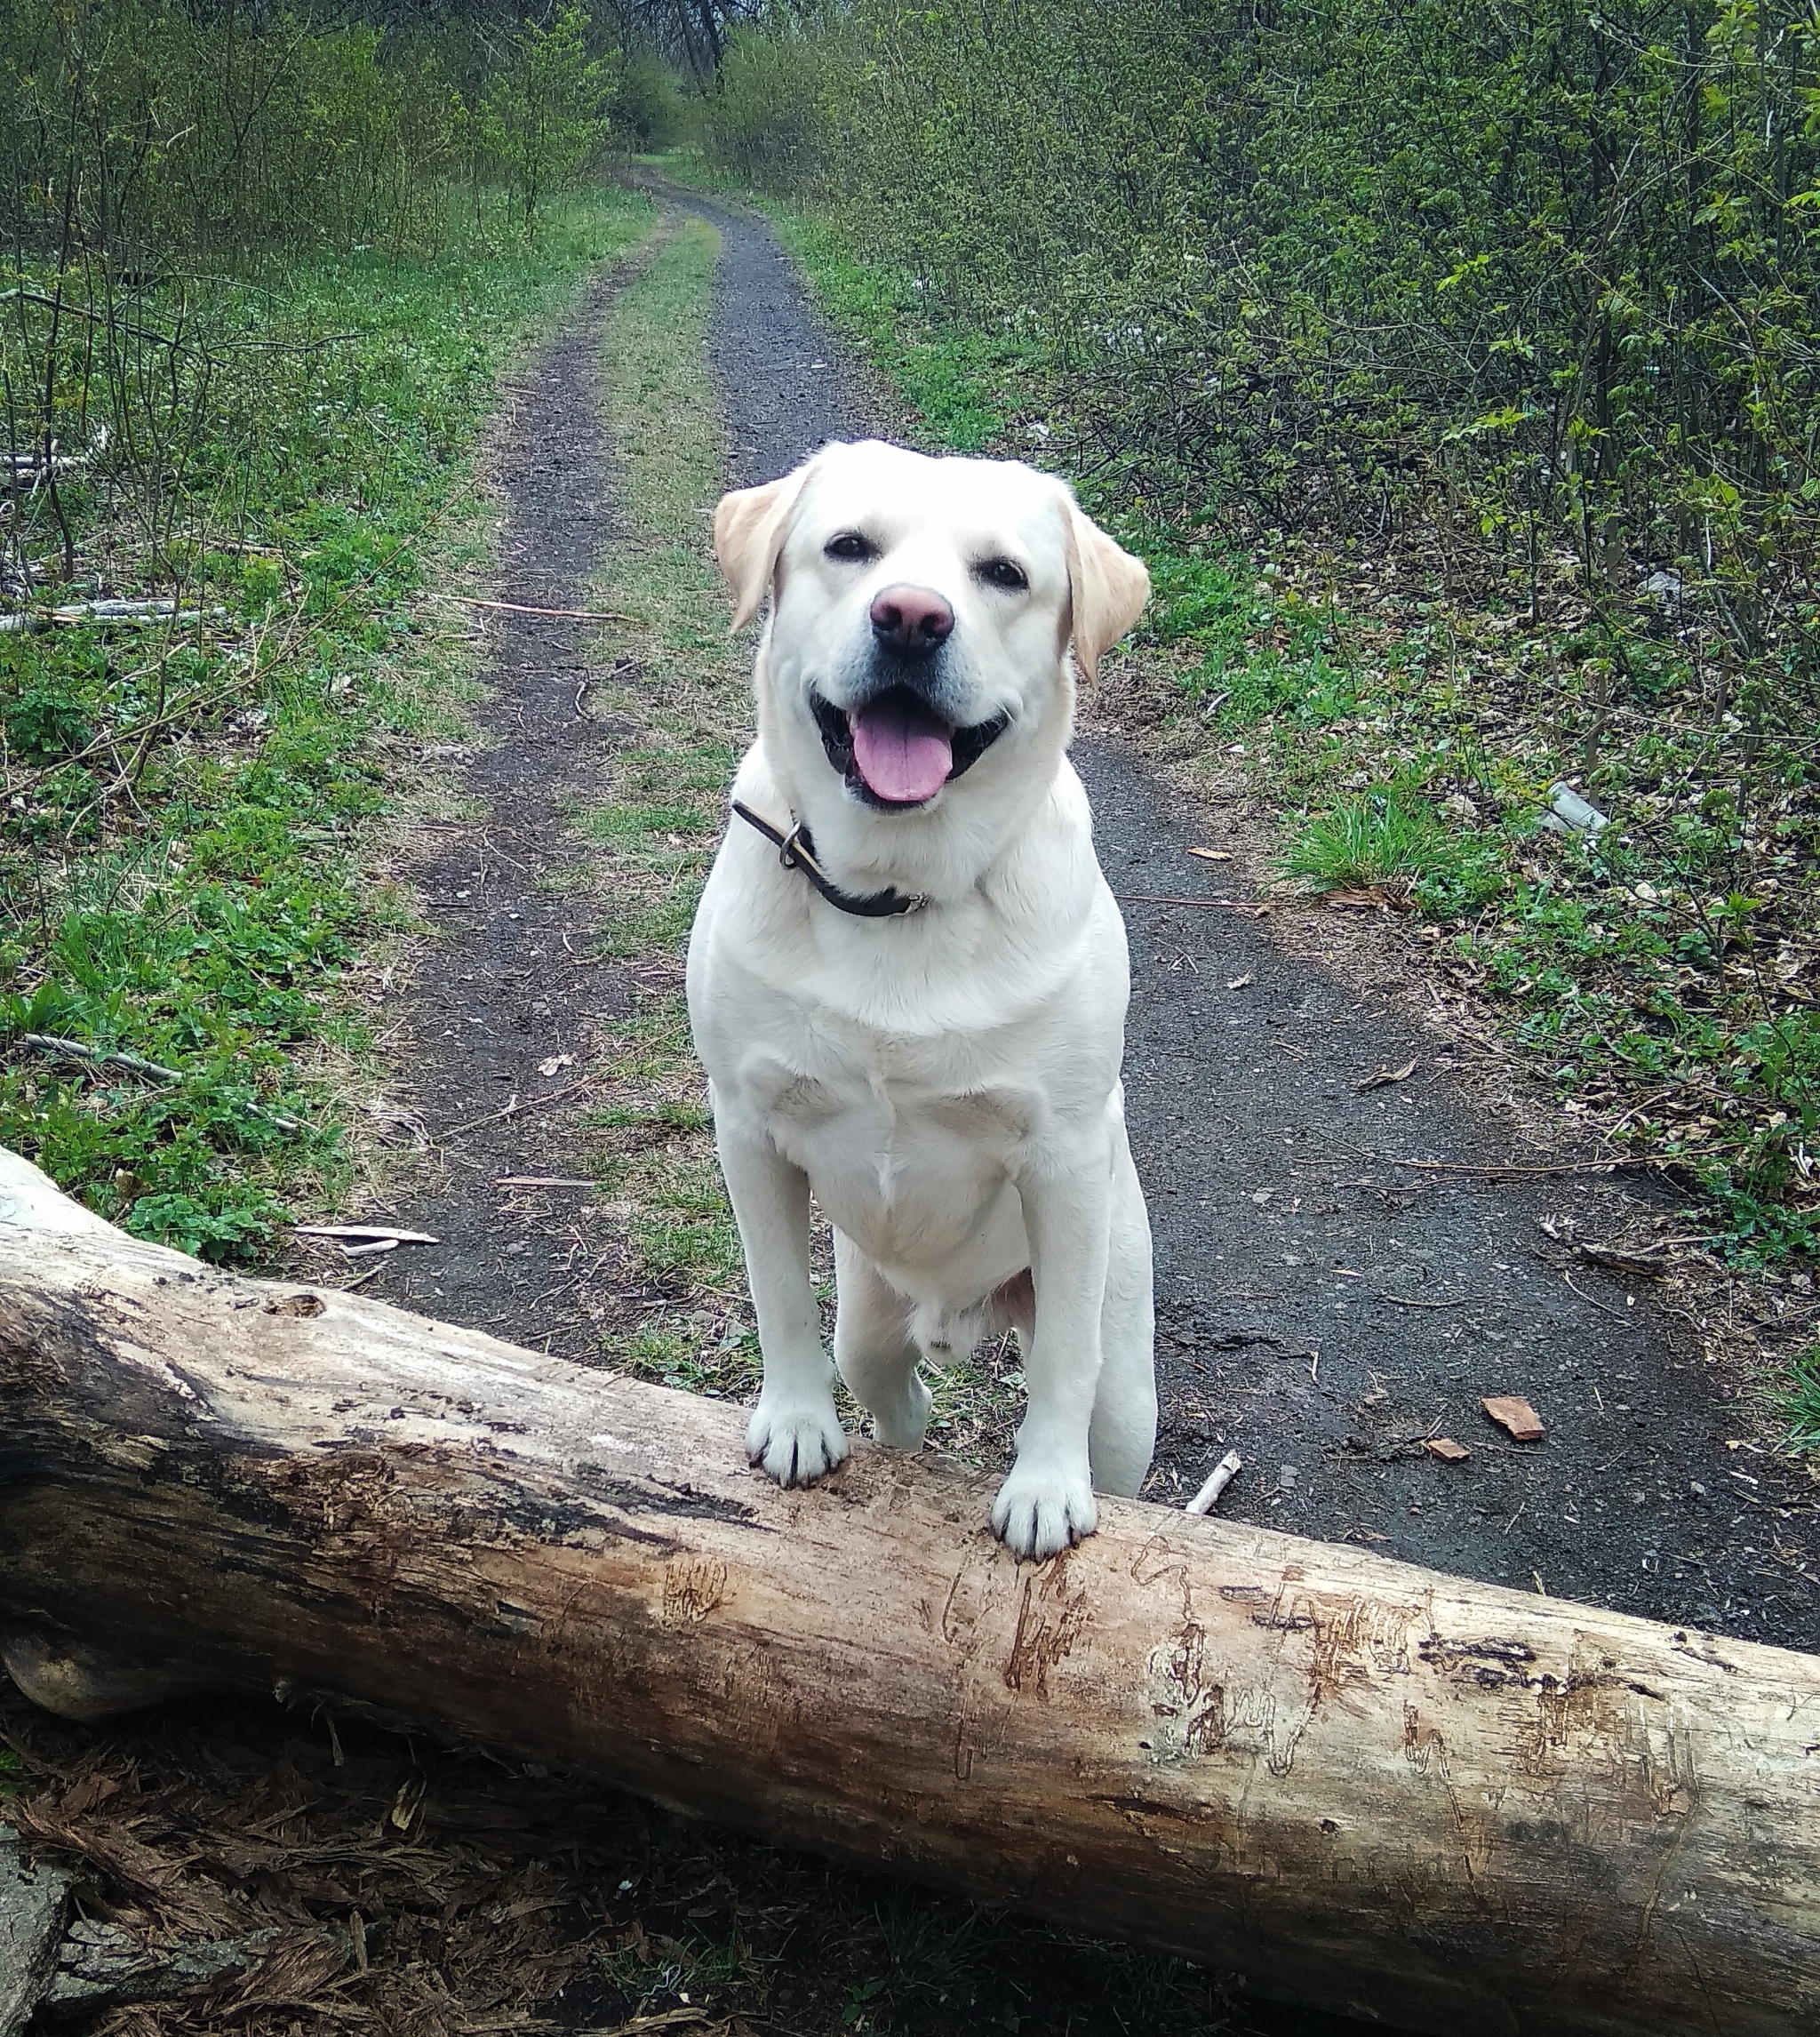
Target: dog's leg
{"type": "Point", "coordinates": [875, 1350]}
{"type": "Point", "coordinates": [1047, 1501]}
{"type": "Point", "coordinates": [1123, 1435]}
{"type": "Point", "coordinates": [795, 1432]}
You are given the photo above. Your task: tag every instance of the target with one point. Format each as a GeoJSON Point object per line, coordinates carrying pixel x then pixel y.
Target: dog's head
{"type": "Point", "coordinates": [922, 615]}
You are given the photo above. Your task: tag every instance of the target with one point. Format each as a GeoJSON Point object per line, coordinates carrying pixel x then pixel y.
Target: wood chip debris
{"type": "Point", "coordinates": [555, 1064]}
{"type": "Point", "coordinates": [372, 1234]}
{"type": "Point", "coordinates": [1381, 1078]}
{"type": "Point", "coordinates": [1446, 1450]}
{"type": "Point", "coordinates": [1212, 855]}
{"type": "Point", "coordinates": [1242, 982]}
{"type": "Point", "coordinates": [541, 1181]}
{"type": "Point", "coordinates": [1218, 1479]}
{"type": "Point", "coordinates": [1515, 1415]}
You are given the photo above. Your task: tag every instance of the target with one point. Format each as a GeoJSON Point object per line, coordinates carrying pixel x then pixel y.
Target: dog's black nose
{"type": "Point", "coordinates": [913, 620]}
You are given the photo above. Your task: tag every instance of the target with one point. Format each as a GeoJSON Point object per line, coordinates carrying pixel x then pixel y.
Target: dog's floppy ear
{"type": "Point", "coordinates": [1107, 588]}
{"type": "Point", "coordinates": [749, 526]}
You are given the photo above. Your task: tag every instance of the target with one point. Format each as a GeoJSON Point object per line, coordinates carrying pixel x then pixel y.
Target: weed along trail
{"type": "Point", "coordinates": [1326, 1311]}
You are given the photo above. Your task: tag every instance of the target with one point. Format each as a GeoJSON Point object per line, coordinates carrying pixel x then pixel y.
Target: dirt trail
{"type": "Point", "coordinates": [1284, 1229]}
{"type": "Point", "coordinates": [509, 987]}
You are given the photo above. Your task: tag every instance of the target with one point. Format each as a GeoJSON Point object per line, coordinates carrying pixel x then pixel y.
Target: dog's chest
{"type": "Point", "coordinates": [880, 1132]}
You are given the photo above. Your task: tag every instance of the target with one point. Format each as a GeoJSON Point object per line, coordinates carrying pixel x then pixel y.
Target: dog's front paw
{"type": "Point", "coordinates": [1041, 1509]}
{"type": "Point", "coordinates": [795, 1446]}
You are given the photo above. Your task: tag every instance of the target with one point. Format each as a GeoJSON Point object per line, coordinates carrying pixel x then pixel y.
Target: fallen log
{"type": "Point", "coordinates": [1444, 1804]}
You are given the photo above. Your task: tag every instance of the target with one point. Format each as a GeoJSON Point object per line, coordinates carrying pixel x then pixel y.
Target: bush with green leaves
{"type": "Point", "coordinates": [649, 109]}
{"type": "Point", "coordinates": [545, 115]}
{"type": "Point", "coordinates": [1528, 276]}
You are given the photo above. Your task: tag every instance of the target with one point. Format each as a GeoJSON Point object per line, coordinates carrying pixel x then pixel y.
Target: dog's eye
{"type": "Point", "coordinates": [850, 545]}
{"type": "Point", "coordinates": [1003, 574]}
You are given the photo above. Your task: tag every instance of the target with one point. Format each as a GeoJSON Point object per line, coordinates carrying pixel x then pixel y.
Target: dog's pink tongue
{"type": "Point", "coordinates": [903, 752]}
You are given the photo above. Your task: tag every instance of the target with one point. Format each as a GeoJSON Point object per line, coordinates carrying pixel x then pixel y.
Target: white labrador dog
{"type": "Point", "coordinates": [910, 998]}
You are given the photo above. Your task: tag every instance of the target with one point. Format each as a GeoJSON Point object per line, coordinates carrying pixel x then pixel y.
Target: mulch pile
{"type": "Point", "coordinates": [390, 1885]}
{"type": "Point", "coordinates": [413, 1891]}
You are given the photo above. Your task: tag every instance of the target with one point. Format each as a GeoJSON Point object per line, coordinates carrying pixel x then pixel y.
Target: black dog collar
{"type": "Point", "coordinates": [796, 852]}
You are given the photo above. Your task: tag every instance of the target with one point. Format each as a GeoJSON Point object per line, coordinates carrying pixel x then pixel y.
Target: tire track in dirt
{"type": "Point", "coordinates": [1284, 1229]}
{"type": "Point", "coordinates": [494, 1028]}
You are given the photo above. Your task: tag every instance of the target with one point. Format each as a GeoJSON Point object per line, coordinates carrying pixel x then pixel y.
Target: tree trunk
{"type": "Point", "coordinates": [1454, 1807]}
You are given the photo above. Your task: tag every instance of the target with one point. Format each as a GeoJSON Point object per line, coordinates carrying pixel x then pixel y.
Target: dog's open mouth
{"type": "Point", "coordinates": [895, 750]}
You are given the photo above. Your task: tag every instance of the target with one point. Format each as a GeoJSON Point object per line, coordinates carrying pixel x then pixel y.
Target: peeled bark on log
{"type": "Point", "coordinates": [1452, 1806]}
{"type": "Point", "coordinates": [34, 1902]}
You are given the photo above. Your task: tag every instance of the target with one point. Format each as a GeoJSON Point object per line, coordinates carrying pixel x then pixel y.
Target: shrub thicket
{"type": "Point", "coordinates": [1535, 274]}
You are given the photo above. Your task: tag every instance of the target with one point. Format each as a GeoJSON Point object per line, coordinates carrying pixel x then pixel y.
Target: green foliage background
{"type": "Point", "coordinates": [1535, 274]}
{"type": "Point", "coordinates": [261, 277]}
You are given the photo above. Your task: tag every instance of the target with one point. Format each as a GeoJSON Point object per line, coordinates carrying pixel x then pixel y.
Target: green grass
{"type": "Point", "coordinates": [924, 1961]}
{"type": "Point", "coordinates": [1382, 840]}
{"type": "Point", "coordinates": [186, 839]}
{"type": "Point", "coordinates": [1802, 1400]}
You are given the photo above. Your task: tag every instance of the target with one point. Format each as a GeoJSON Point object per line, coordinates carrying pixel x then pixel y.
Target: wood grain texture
{"type": "Point", "coordinates": [1452, 1806]}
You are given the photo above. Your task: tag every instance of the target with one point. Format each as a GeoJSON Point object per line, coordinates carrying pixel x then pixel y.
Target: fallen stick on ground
{"type": "Point", "coordinates": [1403, 1300]}
{"type": "Point", "coordinates": [103, 615]}
{"type": "Point", "coordinates": [1442, 1803]}
{"type": "Point", "coordinates": [371, 1232]}
{"type": "Point", "coordinates": [513, 1109]}
{"type": "Point", "coordinates": [62, 1049]}
{"type": "Point", "coordinates": [1218, 1479]}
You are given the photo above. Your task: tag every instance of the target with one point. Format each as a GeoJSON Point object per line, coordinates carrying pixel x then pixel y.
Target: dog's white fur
{"type": "Point", "coordinates": [946, 1083]}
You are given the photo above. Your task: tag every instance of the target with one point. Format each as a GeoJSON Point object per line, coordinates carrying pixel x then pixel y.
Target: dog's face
{"type": "Point", "coordinates": [923, 611]}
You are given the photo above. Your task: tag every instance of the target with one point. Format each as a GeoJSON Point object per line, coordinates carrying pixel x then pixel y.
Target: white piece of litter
{"type": "Point", "coordinates": [1569, 814]}
{"type": "Point", "coordinates": [1221, 1476]}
